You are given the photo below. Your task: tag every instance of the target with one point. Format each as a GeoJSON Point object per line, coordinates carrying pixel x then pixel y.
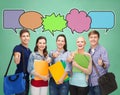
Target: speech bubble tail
{"type": "Point", "coordinates": [52, 34]}
{"type": "Point", "coordinates": [106, 30]}
{"type": "Point", "coordinates": [33, 30]}
{"type": "Point", "coordinates": [15, 30]}
{"type": "Point", "coordinates": [72, 31]}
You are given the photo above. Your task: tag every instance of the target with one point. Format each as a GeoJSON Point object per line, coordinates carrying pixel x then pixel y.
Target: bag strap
{"type": "Point", "coordinates": [9, 65]}
{"type": "Point", "coordinates": [11, 62]}
{"type": "Point", "coordinates": [95, 67]}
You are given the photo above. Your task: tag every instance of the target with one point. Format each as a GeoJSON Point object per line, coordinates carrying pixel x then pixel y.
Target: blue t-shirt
{"type": "Point", "coordinates": [25, 53]}
{"type": "Point", "coordinates": [78, 79]}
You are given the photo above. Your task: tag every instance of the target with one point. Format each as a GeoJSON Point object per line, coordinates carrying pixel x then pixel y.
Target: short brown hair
{"type": "Point", "coordinates": [94, 32]}
{"type": "Point", "coordinates": [24, 31]}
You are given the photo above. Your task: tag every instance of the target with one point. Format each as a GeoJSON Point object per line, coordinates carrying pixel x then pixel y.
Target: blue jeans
{"type": "Point", "coordinates": [55, 89]}
{"type": "Point", "coordinates": [95, 90]}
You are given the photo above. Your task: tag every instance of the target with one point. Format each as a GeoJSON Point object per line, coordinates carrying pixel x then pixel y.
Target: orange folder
{"type": "Point", "coordinates": [57, 70]}
{"type": "Point", "coordinates": [40, 67]}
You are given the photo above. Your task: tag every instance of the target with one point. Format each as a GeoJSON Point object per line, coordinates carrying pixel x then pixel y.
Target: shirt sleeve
{"type": "Point", "coordinates": [105, 58]}
{"type": "Point", "coordinates": [68, 65]}
{"type": "Point", "coordinates": [30, 67]}
{"type": "Point", "coordinates": [50, 55]}
{"type": "Point", "coordinates": [17, 49]}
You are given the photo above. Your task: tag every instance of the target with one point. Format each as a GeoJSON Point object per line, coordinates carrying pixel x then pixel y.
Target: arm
{"type": "Point", "coordinates": [103, 60]}
{"type": "Point", "coordinates": [31, 68]}
{"type": "Point", "coordinates": [62, 78]}
{"type": "Point", "coordinates": [68, 68]}
{"type": "Point", "coordinates": [45, 78]}
{"type": "Point", "coordinates": [17, 56]}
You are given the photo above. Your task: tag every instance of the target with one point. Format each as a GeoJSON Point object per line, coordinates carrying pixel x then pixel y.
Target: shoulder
{"type": "Point", "coordinates": [86, 53]}
{"type": "Point", "coordinates": [33, 54]}
{"type": "Point", "coordinates": [67, 52]}
{"type": "Point", "coordinates": [52, 51]}
{"type": "Point", "coordinates": [102, 49]}
{"type": "Point", "coordinates": [17, 48]}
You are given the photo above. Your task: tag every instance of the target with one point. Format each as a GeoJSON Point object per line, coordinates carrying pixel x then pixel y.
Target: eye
{"type": "Point", "coordinates": [82, 41]}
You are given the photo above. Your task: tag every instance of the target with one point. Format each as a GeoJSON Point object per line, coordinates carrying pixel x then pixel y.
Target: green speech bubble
{"type": "Point", "coordinates": [54, 23]}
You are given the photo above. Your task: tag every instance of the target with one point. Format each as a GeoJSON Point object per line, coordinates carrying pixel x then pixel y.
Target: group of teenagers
{"type": "Point", "coordinates": [83, 81]}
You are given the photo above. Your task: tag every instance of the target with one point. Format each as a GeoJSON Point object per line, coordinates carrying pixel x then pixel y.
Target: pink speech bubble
{"type": "Point", "coordinates": [78, 21]}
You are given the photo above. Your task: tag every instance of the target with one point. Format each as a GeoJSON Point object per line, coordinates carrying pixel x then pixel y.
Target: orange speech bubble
{"type": "Point", "coordinates": [31, 20]}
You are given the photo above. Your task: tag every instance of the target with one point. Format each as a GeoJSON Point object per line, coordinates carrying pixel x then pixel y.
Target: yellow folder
{"type": "Point", "coordinates": [40, 67]}
{"type": "Point", "coordinates": [57, 70]}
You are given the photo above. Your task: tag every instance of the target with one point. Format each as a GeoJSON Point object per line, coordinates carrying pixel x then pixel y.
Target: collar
{"type": "Point", "coordinates": [96, 48]}
{"type": "Point", "coordinates": [37, 53]}
{"type": "Point", "coordinates": [62, 51]}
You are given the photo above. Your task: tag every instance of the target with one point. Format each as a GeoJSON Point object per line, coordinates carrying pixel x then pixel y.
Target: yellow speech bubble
{"type": "Point", "coordinates": [31, 20]}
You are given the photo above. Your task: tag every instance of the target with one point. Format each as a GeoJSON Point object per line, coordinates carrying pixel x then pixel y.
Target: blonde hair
{"type": "Point", "coordinates": [83, 39]}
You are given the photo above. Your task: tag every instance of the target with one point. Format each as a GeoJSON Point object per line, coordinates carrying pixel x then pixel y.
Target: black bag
{"type": "Point", "coordinates": [107, 83]}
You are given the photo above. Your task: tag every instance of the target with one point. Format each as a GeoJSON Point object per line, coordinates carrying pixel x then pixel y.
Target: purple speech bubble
{"type": "Point", "coordinates": [11, 19]}
{"type": "Point", "coordinates": [78, 21]}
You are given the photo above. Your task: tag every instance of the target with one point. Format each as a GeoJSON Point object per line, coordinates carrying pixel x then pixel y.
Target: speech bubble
{"type": "Point", "coordinates": [54, 23]}
{"type": "Point", "coordinates": [11, 19]}
{"type": "Point", "coordinates": [78, 21]}
{"type": "Point", "coordinates": [102, 19]}
{"type": "Point", "coordinates": [31, 20]}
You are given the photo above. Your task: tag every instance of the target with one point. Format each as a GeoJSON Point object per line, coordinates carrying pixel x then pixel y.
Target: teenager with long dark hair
{"type": "Point", "coordinates": [61, 53]}
{"type": "Point", "coordinates": [39, 86]}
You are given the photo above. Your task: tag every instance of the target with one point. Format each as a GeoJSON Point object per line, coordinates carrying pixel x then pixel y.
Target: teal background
{"type": "Point", "coordinates": [109, 39]}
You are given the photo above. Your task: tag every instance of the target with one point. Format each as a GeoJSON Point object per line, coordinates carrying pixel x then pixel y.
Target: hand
{"type": "Point", "coordinates": [48, 59]}
{"type": "Point", "coordinates": [17, 56]}
{"type": "Point", "coordinates": [61, 81]}
{"type": "Point", "coordinates": [56, 54]}
{"type": "Point", "coordinates": [100, 62]}
{"type": "Point", "coordinates": [74, 64]}
{"type": "Point", "coordinates": [45, 78]}
{"type": "Point", "coordinates": [70, 58]}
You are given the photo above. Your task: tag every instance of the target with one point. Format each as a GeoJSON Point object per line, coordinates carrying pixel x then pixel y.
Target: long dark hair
{"type": "Point", "coordinates": [62, 35]}
{"type": "Point", "coordinates": [45, 52]}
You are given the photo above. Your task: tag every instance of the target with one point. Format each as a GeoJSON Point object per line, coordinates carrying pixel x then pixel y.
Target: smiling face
{"type": "Point", "coordinates": [93, 38]}
{"type": "Point", "coordinates": [41, 44]}
{"type": "Point", "coordinates": [25, 38]}
{"type": "Point", "coordinates": [80, 43]}
{"type": "Point", "coordinates": [60, 42]}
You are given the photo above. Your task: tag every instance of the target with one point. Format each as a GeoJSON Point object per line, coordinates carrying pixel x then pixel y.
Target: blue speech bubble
{"type": "Point", "coordinates": [102, 19]}
{"type": "Point", "coordinates": [11, 19]}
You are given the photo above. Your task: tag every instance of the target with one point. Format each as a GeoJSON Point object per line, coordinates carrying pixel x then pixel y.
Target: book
{"type": "Point", "coordinates": [41, 67]}
{"type": "Point", "coordinates": [82, 60]}
{"type": "Point", "coordinates": [57, 70]}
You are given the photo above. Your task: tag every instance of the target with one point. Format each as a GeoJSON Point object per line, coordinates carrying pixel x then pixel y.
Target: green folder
{"type": "Point", "coordinates": [82, 60]}
{"type": "Point", "coordinates": [64, 65]}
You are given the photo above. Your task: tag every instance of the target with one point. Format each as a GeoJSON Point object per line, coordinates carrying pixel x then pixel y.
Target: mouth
{"type": "Point", "coordinates": [79, 45]}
